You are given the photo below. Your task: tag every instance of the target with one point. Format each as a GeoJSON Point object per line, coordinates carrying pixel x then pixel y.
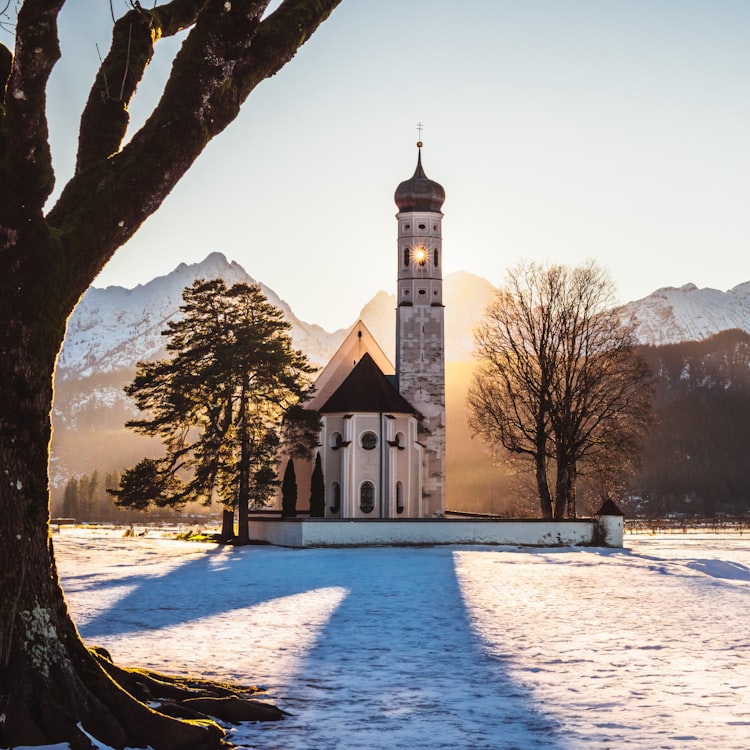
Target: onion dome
{"type": "Point", "coordinates": [419, 193]}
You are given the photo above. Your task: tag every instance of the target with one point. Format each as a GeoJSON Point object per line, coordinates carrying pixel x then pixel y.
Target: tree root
{"type": "Point", "coordinates": [190, 698]}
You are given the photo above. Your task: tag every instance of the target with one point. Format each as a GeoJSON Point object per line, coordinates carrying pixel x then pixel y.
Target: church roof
{"type": "Point", "coordinates": [419, 193]}
{"type": "Point", "coordinates": [358, 341]}
{"type": "Point", "coordinates": [366, 389]}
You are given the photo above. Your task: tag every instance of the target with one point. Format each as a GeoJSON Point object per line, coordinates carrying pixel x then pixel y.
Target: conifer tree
{"type": "Point", "coordinates": [289, 492]}
{"type": "Point", "coordinates": [317, 490]}
{"type": "Point", "coordinates": [70, 499]}
{"type": "Point", "coordinates": [217, 404]}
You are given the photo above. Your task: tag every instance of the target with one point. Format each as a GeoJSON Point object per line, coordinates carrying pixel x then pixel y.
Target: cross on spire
{"type": "Point", "coordinates": [420, 127]}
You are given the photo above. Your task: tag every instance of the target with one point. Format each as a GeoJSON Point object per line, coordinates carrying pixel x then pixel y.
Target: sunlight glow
{"type": "Point", "coordinates": [420, 255]}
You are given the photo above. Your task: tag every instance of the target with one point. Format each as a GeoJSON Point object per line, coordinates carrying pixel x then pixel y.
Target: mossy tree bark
{"type": "Point", "coordinates": [51, 688]}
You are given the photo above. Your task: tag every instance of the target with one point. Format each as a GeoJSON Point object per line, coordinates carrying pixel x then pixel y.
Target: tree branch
{"type": "Point", "coordinates": [26, 176]}
{"type": "Point", "coordinates": [227, 52]}
{"type": "Point", "coordinates": [105, 118]}
{"type": "Point", "coordinates": [278, 39]}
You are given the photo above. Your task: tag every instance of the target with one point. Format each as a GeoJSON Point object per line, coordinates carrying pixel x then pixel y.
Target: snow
{"type": "Point", "coordinates": [670, 315]}
{"type": "Point", "coordinates": [441, 647]}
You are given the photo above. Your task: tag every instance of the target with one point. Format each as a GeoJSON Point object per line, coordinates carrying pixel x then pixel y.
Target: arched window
{"type": "Point", "coordinates": [406, 257]}
{"type": "Point", "coordinates": [399, 497]}
{"type": "Point", "coordinates": [336, 495]}
{"type": "Point", "coordinates": [336, 441]}
{"type": "Point", "coordinates": [435, 258]}
{"type": "Point", "coordinates": [367, 497]}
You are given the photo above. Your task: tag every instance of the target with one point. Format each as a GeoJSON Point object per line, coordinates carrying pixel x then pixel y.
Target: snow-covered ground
{"type": "Point", "coordinates": [444, 647]}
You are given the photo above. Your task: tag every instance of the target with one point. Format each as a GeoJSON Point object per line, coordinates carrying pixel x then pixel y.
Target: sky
{"type": "Point", "coordinates": [561, 130]}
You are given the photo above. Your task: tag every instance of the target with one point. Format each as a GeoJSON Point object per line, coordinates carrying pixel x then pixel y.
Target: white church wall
{"type": "Point", "coordinates": [374, 532]}
{"type": "Point", "coordinates": [347, 461]}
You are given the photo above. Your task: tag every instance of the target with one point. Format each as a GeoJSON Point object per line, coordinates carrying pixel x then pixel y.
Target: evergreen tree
{"type": "Point", "coordinates": [289, 492]}
{"type": "Point", "coordinates": [84, 498]}
{"type": "Point", "coordinates": [217, 403]}
{"type": "Point", "coordinates": [317, 491]}
{"type": "Point", "coordinates": [93, 497]}
{"type": "Point", "coordinates": [70, 499]}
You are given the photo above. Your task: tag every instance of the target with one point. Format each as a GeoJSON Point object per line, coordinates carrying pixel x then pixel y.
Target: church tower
{"type": "Point", "coordinates": [420, 328]}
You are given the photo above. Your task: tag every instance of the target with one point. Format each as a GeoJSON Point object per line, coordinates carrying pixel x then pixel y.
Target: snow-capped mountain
{"type": "Point", "coordinates": [675, 314]}
{"type": "Point", "coordinates": [113, 328]}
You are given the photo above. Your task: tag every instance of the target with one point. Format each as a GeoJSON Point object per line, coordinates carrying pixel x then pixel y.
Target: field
{"type": "Point", "coordinates": [443, 647]}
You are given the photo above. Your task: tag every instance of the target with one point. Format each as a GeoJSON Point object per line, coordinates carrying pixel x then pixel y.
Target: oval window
{"type": "Point", "coordinates": [369, 440]}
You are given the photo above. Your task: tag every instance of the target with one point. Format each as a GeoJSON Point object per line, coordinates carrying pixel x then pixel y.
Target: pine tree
{"type": "Point", "coordinates": [289, 492]}
{"type": "Point", "coordinates": [93, 497]}
{"type": "Point", "coordinates": [70, 499]}
{"type": "Point", "coordinates": [217, 403]}
{"type": "Point", "coordinates": [84, 498]}
{"type": "Point", "coordinates": [317, 491]}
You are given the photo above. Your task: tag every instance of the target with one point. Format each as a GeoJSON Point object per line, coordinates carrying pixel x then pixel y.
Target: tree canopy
{"type": "Point", "coordinates": [53, 690]}
{"type": "Point", "coordinates": [558, 383]}
{"type": "Point", "coordinates": [219, 403]}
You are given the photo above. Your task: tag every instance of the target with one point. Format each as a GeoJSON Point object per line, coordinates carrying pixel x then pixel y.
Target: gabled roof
{"type": "Point", "coordinates": [358, 341]}
{"type": "Point", "coordinates": [366, 389]}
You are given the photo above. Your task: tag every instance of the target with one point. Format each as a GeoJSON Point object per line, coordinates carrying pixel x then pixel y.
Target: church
{"type": "Point", "coordinates": [382, 439]}
{"type": "Point", "coordinates": [382, 442]}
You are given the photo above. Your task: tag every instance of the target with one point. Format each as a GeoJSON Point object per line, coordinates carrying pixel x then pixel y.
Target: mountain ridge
{"type": "Point", "coordinates": [113, 328]}
{"type": "Point", "coordinates": [672, 315]}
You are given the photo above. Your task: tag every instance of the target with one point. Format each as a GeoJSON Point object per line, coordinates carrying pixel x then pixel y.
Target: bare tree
{"type": "Point", "coordinates": [558, 382]}
{"type": "Point", "coordinates": [509, 397]}
{"type": "Point", "coordinates": [51, 687]}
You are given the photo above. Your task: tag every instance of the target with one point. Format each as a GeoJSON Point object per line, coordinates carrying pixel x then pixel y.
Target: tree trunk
{"type": "Point", "coordinates": [50, 685]}
{"type": "Point", "coordinates": [52, 690]}
{"type": "Point", "coordinates": [570, 492]}
{"type": "Point", "coordinates": [545, 498]}
{"type": "Point", "coordinates": [243, 493]}
{"type": "Point", "coordinates": [561, 484]}
{"type": "Point", "coordinates": [243, 524]}
{"type": "Point", "coordinates": [227, 524]}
